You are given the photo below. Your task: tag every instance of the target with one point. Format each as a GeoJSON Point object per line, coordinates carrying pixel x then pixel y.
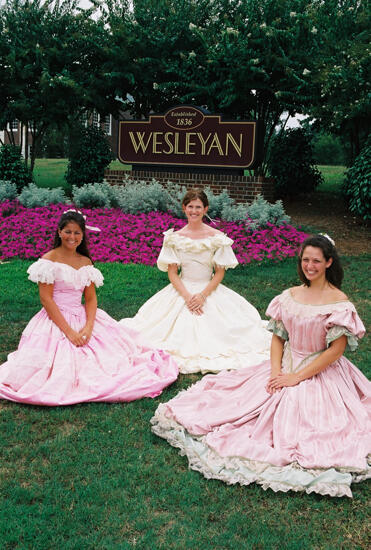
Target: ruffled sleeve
{"type": "Point", "coordinates": [47, 271]}
{"type": "Point", "coordinates": [275, 324]}
{"type": "Point", "coordinates": [345, 322]}
{"type": "Point", "coordinates": [168, 253]}
{"type": "Point", "coordinates": [41, 271]}
{"type": "Point", "coordinates": [224, 255]}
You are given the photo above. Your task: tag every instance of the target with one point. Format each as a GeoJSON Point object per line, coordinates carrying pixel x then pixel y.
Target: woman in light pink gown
{"type": "Point", "coordinates": [300, 421]}
{"type": "Point", "coordinates": [70, 353]}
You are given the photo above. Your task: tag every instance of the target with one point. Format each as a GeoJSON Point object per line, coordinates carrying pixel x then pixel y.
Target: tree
{"type": "Point", "coordinates": [342, 104]}
{"type": "Point", "coordinates": [54, 63]}
{"type": "Point", "coordinates": [247, 59]}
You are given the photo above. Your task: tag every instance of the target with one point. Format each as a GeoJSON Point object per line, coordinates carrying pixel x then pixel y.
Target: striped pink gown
{"type": "Point", "coordinates": [312, 437]}
{"type": "Point", "coordinates": [115, 365]}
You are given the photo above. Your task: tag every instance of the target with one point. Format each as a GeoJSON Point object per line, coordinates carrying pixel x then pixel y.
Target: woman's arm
{"type": "Point", "coordinates": [320, 363]}
{"type": "Point", "coordinates": [172, 272]}
{"type": "Point", "coordinates": [277, 346]}
{"type": "Point", "coordinates": [91, 310]}
{"type": "Point", "coordinates": [51, 308]}
{"type": "Point", "coordinates": [198, 300]}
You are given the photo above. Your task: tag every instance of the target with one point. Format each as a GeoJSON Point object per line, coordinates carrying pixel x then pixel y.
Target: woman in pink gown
{"type": "Point", "coordinates": [70, 353]}
{"type": "Point", "coordinates": [300, 421]}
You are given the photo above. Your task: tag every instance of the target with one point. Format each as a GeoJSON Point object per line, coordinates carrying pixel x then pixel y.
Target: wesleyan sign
{"type": "Point", "coordinates": [185, 136]}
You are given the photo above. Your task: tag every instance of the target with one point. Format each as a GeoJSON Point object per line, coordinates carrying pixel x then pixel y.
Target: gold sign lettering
{"type": "Point", "coordinates": [170, 151]}
{"type": "Point", "coordinates": [238, 148]}
{"type": "Point", "coordinates": [140, 143]}
{"type": "Point", "coordinates": [188, 143]}
{"type": "Point", "coordinates": [216, 143]}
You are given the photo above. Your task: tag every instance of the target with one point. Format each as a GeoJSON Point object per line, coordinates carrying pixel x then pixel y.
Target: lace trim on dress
{"type": "Point", "coordinates": [224, 255]}
{"type": "Point", "coordinates": [311, 310]}
{"type": "Point", "coordinates": [336, 331]}
{"type": "Point", "coordinates": [201, 457]}
{"type": "Point", "coordinates": [182, 242]}
{"type": "Point", "coordinates": [277, 327]}
{"type": "Point", "coordinates": [47, 271]}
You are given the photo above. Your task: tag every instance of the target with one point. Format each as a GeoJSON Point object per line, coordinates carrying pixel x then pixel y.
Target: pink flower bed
{"type": "Point", "coordinates": [29, 232]}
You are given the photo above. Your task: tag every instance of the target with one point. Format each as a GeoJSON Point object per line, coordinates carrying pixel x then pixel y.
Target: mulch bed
{"type": "Point", "coordinates": [328, 213]}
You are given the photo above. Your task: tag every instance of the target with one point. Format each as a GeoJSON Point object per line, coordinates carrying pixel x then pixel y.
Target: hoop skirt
{"type": "Point", "coordinates": [229, 335]}
{"type": "Point", "coordinates": [115, 365]}
{"type": "Point", "coordinates": [312, 437]}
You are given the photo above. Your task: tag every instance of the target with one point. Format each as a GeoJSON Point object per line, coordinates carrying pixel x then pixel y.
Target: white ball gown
{"type": "Point", "coordinates": [115, 365]}
{"type": "Point", "coordinates": [229, 335]}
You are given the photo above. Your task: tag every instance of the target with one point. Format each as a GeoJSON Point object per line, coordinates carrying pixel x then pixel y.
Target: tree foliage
{"type": "Point", "coordinates": [341, 102]}
{"type": "Point", "coordinates": [357, 186]}
{"type": "Point", "coordinates": [12, 167]}
{"type": "Point", "coordinates": [89, 157]}
{"type": "Point", "coordinates": [54, 64]}
{"type": "Point", "coordinates": [291, 163]}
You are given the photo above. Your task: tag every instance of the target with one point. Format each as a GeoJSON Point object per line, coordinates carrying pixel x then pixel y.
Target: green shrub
{"type": "Point", "coordinates": [328, 149]}
{"type": "Point", "coordinates": [8, 190]}
{"type": "Point", "coordinates": [141, 196]}
{"type": "Point", "coordinates": [32, 196]}
{"type": "Point", "coordinates": [262, 213]}
{"type": "Point", "coordinates": [357, 185]}
{"type": "Point", "coordinates": [95, 195]}
{"type": "Point", "coordinates": [291, 163]}
{"type": "Point", "coordinates": [12, 167]}
{"type": "Point", "coordinates": [89, 157]}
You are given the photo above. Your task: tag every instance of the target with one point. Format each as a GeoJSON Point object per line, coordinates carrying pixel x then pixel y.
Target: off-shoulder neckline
{"type": "Point", "coordinates": [68, 265]}
{"type": "Point", "coordinates": [314, 305]}
{"type": "Point", "coordinates": [220, 234]}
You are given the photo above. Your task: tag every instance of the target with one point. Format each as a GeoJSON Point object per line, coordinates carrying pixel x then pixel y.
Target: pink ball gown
{"type": "Point", "coordinates": [312, 437]}
{"type": "Point", "coordinates": [47, 369]}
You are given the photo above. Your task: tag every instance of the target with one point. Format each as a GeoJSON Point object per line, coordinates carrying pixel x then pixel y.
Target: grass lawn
{"type": "Point", "coordinates": [333, 178]}
{"type": "Point", "coordinates": [50, 173]}
{"type": "Point", "coordinates": [93, 476]}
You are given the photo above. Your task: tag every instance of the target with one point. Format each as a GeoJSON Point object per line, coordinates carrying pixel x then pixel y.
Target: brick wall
{"type": "Point", "coordinates": [240, 188]}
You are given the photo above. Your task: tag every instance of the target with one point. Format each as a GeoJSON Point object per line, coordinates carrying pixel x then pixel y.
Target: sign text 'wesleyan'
{"type": "Point", "coordinates": [185, 136]}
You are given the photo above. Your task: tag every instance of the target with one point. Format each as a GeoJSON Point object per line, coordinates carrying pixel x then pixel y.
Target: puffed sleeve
{"type": "Point", "coordinates": [275, 324]}
{"type": "Point", "coordinates": [224, 255]}
{"type": "Point", "coordinates": [41, 271]}
{"type": "Point", "coordinates": [345, 322]}
{"type": "Point", "coordinates": [168, 254]}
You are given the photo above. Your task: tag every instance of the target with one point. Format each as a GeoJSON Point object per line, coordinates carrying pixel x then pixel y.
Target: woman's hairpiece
{"type": "Point", "coordinates": [328, 238]}
{"type": "Point", "coordinates": [92, 228]}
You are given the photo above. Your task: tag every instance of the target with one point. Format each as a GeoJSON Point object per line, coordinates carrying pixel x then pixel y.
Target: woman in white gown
{"type": "Point", "coordinates": [205, 326]}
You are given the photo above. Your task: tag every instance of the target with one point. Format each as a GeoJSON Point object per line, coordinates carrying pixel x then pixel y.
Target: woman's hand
{"type": "Point", "coordinates": [85, 333]}
{"type": "Point", "coordinates": [195, 304]}
{"type": "Point", "coordinates": [282, 380]}
{"type": "Point", "coordinates": [75, 337]}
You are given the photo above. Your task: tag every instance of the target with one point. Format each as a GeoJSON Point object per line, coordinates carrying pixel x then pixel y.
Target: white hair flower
{"type": "Point", "coordinates": [328, 238]}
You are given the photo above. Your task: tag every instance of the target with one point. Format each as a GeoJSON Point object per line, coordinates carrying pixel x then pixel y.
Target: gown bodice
{"type": "Point", "coordinates": [309, 329]}
{"type": "Point", "coordinates": [69, 283]}
{"type": "Point", "coordinates": [196, 257]}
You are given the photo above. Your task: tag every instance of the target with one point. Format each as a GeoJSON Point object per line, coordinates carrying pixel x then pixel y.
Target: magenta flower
{"type": "Point", "coordinates": [131, 238]}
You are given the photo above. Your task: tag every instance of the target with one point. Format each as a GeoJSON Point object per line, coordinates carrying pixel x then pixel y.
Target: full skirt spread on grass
{"type": "Point", "coordinates": [131, 238]}
{"type": "Point", "coordinates": [115, 365]}
{"type": "Point", "coordinates": [313, 437]}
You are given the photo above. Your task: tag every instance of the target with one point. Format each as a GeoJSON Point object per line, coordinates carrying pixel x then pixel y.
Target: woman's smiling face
{"type": "Point", "coordinates": [314, 264]}
{"type": "Point", "coordinates": [71, 235]}
{"type": "Point", "coordinates": [195, 210]}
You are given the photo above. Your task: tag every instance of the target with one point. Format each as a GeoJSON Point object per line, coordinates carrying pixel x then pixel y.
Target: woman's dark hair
{"type": "Point", "coordinates": [193, 194]}
{"type": "Point", "coordinates": [78, 218]}
{"type": "Point", "coordinates": [334, 273]}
